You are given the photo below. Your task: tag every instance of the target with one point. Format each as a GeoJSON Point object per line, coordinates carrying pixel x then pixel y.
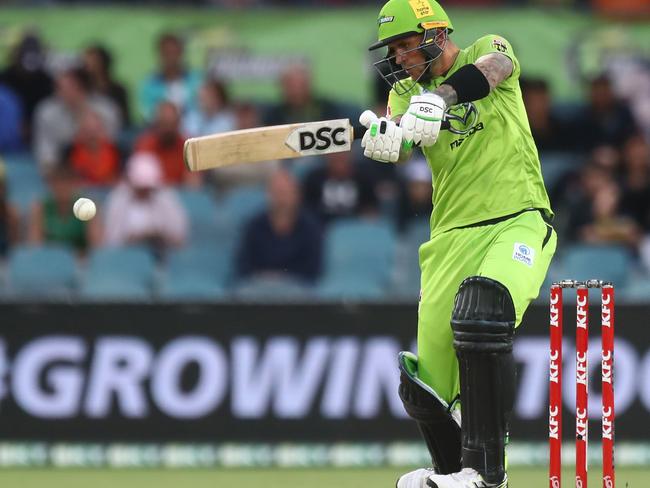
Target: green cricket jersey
{"type": "Point", "coordinates": [486, 166]}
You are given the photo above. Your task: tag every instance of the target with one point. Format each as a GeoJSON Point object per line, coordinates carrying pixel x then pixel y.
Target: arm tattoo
{"type": "Point", "coordinates": [447, 93]}
{"type": "Point", "coordinates": [496, 68]}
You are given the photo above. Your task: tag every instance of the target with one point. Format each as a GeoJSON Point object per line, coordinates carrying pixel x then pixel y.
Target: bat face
{"type": "Point", "coordinates": [268, 143]}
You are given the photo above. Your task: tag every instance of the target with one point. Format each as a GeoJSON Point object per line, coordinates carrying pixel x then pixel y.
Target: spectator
{"type": "Point", "coordinates": [299, 103]}
{"type": "Point", "coordinates": [98, 61]}
{"type": "Point", "coordinates": [607, 157]}
{"type": "Point", "coordinates": [247, 116]}
{"type": "Point", "coordinates": [173, 81]}
{"type": "Point", "coordinates": [636, 181]}
{"type": "Point", "coordinates": [93, 156]}
{"type": "Point", "coordinates": [8, 216]}
{"type": "Point", "coordinates": [165, 140]}
{"type": "Point", "coordinates": [569, 190]}
{"type": "Point", "coordinates": [549, 133]}
{"type": "Point", "coordinates": [339, 190]}
{"type": "Point", "coordinates": [56, 120]}
{"type": "Point", "coordinates": [595, 216]}
{"type": "Point", "coordinates": [415, 198]}
{"type": "Point", "coordinates": [214, 113]}
{"type": "Point", "coordinates": [605, 120]}
{"type": "Point", "coordinates": [579, 196]}
{"type": "Point", "coordinates": [11, 120]}
{"type": "Point", "coordinates": [26, 75]}
{"type": "Point", "coordinates": [51, 219]}
{"type": "Point", "coordinates": [140, 210]}
{"type": "Point", "coordinates": [283, 240]}
{"type": "Point", "coordinates": [622, 9]}
{"type": "Point", "coordinates": [607, 224]}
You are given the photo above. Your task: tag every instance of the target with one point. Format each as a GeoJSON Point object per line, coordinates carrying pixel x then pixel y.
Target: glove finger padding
{"type": "Point", "coordinates": [408, 125]}
{"type": "Point", "coordinates": [397, 144]}
{"type": "Point", "coordinates": [418, 131]}
{"type": "Point", "coordinates": [364, 139]}
{"type": "Point", "coordinates": [367, 118]}
{"type": "Point", "coordinates": [430, 135]}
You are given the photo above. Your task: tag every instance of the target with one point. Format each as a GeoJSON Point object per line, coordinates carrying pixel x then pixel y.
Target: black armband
{"type": "Point", "coordinates": [469, 83]}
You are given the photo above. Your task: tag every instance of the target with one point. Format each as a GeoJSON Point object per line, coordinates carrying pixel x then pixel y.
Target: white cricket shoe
{"type": "Point", "coordinates": [467, 478]}
{"type": "Point", "coordinates": [415, 479]}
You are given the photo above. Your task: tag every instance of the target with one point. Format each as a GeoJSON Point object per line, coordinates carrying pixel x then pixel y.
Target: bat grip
{"type": "Point", "coordinates": [360, 130]}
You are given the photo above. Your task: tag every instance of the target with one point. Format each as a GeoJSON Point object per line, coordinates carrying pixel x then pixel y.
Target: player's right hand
{"type": "Point", "coordinates": [383, 139]}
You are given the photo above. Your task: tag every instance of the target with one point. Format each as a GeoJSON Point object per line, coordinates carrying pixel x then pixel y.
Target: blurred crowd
{"type": "Point", "coordinates": [595, 159]}
{"type": "Point", "coordinates": [624, 7]}
{"type": "Point", "coordinates": [85, 134]}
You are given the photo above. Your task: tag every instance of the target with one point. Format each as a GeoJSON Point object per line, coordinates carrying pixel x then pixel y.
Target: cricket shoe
{"type": "Point", "coordinates": [415, 479]}
{"type": "Point", "coordinates": [467, 478]}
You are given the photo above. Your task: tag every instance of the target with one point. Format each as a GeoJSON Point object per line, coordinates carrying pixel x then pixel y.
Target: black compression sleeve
{"type": "Point", "coordinates": [469, 84]}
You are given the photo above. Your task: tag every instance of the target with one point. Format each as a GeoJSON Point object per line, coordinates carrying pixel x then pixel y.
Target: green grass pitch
{"type": "Point", "coordinates": [269, 478]}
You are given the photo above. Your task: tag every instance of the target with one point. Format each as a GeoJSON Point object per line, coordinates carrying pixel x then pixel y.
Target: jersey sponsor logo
{"type": "Point", "coordinates": [523, 253]}
{"type": "Point", "coordinates": [385, 19]}
{"type": "Point", "coordinates": [500, 45]}
{"type": "Point", "coordinates": [421, 8]}
{"type": "Point", "coordinates": [454, 144]}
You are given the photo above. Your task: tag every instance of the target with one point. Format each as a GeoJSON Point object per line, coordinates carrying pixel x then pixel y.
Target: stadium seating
{"type": "Point", "coordinates": [97, 193]}
{"type": "Point", "coordinates": [349, 288]}
{"type": "Point", "coordinates": [406, 283]}
{"type": "Point", "coordinates": [360, 247]}
{"type": "Point", "coordinates": [610, 263]}
{"type": "Point", "coordinates": [194, 288]}
{"type": "Point", "coordinates": [199, 205]}
{"type": "Point", "coordinates": [241, 204]}
{"type": "Point", "coordinates": [272, 288]}
{"type": "Point", "coordinates": [637, 290]}
{"type": "Point", "coordinates": [200, 272]}
{"type": "Point", "coordinates": [119, 273]}
{"type": "Point", "coordinates": [24, 181]}
{"type": "Point", "coordinates": [41, 272]}
{"type": "Point", "coordinates": [556, 165]}
{"type": "Point", "coordinates": [209, 222]}
{"type": "Point", "coordinates": [359, 257]}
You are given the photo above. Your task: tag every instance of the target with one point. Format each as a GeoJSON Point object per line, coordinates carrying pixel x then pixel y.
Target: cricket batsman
{"type": "Point", "coordinates": [491, 241]}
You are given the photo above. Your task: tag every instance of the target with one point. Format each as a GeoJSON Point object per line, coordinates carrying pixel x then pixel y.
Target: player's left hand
{"type": "Point", "coordinates": [421, 122]}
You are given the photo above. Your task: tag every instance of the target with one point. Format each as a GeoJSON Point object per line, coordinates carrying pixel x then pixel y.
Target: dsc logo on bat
{"type": "Point", "coordinates": [320, 137]}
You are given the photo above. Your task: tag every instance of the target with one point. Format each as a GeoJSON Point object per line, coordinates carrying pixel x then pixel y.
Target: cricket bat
{"type": "Point", "coordinates": [269, 143]}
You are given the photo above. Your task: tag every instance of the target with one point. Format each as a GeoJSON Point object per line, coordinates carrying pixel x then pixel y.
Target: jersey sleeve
{"type": "Point", "coordinates": [496, 44]}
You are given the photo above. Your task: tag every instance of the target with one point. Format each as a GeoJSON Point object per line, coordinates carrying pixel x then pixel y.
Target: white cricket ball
{"type": "Point", "coordinates": [84, 209]}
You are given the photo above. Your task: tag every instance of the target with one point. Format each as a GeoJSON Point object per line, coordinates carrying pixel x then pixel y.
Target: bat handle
{"type": "Point", "coordinates": [360, 130]}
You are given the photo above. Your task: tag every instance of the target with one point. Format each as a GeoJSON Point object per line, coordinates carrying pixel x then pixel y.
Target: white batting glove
{"type": "Point", "coordinates": [383, 139]}
{"type": "Point", "coordinates": [421, 122]}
